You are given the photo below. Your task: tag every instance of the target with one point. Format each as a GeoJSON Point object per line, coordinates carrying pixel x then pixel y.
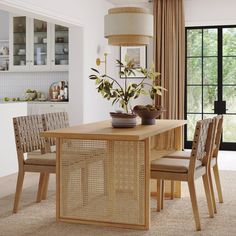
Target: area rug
{"type": "Point", "coordinates": [38, 219]}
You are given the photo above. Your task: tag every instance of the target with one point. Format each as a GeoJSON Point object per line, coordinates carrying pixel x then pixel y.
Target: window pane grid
{"type": "Point", "coordinates": [211, 77]}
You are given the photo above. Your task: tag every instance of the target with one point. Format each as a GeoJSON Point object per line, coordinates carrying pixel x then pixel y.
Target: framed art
{"type": "Point", "coordinates": [138, 53]}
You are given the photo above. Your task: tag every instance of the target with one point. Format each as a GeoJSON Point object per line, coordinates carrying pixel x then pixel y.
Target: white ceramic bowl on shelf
{"type": "Point", "coordinates": [63, 62]}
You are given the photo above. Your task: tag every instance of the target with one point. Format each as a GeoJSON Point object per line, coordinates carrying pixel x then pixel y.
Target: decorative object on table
{"type": "Point", "coordinates": [148, 113]}
{"type": "Point", "coordinates": [58, 91]}
{"type": "Point", "coordinates": [123, 120]}
{"type": "Point", "coordinates": [113, 90]}
{"type": "Point", "coordinates": [136, 53]}
{"type": "Point", "coordinates": [137, 31]}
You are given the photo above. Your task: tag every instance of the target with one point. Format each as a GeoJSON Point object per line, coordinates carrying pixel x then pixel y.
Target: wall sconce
{"type": "Point", "coordinates": [128, 26]}
{"type": "Point", "coordinates": [106, 51]}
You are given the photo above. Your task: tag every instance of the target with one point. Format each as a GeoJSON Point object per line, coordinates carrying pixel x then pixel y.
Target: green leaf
{"type": "Point", "coordinates": [97, 81]}
{"type": "Point", "coordinates": [95, 70]}
{"type": "Point", "coordinates": [93, 77]}
{"type": "Point", "coordinates": [119, 62]}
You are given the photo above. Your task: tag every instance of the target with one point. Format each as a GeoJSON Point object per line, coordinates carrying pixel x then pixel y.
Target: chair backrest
{"type": "Point", "coordinates": [202, 142]}
{"type": "Point", "coordinates": [216, 147]}
{"type": "Point", "coordinates": [52, 121]}
{"type": "Point", "coordinates": [27, 135]}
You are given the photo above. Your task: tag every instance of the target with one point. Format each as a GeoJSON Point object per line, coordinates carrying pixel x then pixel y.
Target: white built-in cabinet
{"type": "Point", "coordinates": [34, 108]}
{"type": "Point", "coordinates": [36, 45]}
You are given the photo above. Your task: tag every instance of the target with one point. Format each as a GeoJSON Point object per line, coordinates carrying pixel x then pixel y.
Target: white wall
{"type": "Point", "coordinates": [14, 84]}
{"type": "Point", "coordinates": [4, 25]}
{"type": "Point", "coordinates": [8, 160]}
{"type": "Point", "coordinates": [210, 12]}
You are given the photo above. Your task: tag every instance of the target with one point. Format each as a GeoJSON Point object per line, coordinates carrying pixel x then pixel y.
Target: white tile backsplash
{"type": "Point", "coordinates": [14, 84]}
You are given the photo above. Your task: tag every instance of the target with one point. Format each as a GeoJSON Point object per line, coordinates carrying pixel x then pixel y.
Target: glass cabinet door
{"type": "Point", "coordinates": [61, 46]}
{"type": "Point", "coordinates": [19, 41]}
{"type": "Point", "coordinates": [40, 43]}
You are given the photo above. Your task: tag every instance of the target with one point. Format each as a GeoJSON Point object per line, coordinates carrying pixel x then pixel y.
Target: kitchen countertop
{"type": "Point", "coordinates": [34, 102]}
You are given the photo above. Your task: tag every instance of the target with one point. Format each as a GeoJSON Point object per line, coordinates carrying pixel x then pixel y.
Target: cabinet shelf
{"type": "Point", "coordinates": [18, 32]}
{"type": "Point", "coordinates": [4, 56]}
{"type": "Point", "coordinates": [42, 54]}
{"type": "Point", "coordinates": [40, 31]}
{"type": "Point", "coordinates": [40, 43]}
{"type": "Point", "coordinates": [19, 43]}
{"type": "Point", "coordinates": [39, 40]}
{"type": "Point", "coordinates": [61, 54]}
{"type": "Point", "coordinates": [61, 42]}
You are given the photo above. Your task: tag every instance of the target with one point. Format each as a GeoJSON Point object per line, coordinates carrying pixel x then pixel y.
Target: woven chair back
{"type": "Point", "coordinates": [203, 140]}
{"type": "Point", "coordinates": [27, 133]}
{"type": "Point", "coordinates": [56, 120]}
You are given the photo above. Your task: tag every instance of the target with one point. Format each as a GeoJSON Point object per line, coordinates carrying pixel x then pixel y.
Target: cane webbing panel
{"type": "Point", "coordinates": [102, 181]}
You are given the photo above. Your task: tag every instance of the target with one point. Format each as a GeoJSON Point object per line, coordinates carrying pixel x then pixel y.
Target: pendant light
{"type": "Point", "coordinates": [128, 26]}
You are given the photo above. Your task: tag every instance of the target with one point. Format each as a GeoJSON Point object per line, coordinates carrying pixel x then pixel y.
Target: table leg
{"type": "Point", "coordinates": [58, 148]}
{"type": "Point", "coordinates": [147, 183]}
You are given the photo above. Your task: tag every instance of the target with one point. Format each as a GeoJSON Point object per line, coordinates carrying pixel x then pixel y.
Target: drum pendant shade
{"type": "Point", "coordinates": [128, 26]}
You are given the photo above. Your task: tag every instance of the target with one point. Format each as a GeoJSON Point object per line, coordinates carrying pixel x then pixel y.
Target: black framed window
{"type": "Point", "coordinates": [211, 79]}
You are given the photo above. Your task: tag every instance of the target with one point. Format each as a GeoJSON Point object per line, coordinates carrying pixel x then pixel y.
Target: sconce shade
{"type": "Point", "coordinates": [128, 26]}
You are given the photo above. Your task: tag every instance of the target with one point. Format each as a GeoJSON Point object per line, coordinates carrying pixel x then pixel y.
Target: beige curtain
{"type": "Point", "coordinates": [169, 55]}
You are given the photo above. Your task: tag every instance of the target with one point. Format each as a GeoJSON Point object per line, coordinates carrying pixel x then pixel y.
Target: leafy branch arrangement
{"type": "Point", "coordinates": [111, 89]}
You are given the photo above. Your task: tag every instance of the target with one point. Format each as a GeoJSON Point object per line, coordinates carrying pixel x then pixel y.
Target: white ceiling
{"type": "Point", "coordinates": [122, 2]}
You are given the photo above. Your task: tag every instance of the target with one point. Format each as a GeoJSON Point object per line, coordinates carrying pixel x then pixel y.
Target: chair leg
{"type": "Point", "coordinates": [208, 192]}
{"type": "Point", "coordinates": [19, 185]}
{"type": "Point", "coordinates": [218, 185]}
{"type": "Point", "coordinates": [40, 187]}
{"type": "Point", "coordinates": [192, 191]}
{"type": "Point", "coordinates": [45, 186]}
{"type": "Point", "coordinates": [162, 193]}
{"type": "Point", "coordinates": [212, 192]}
{"type": "Point", "coordinates": [172, 189]}
{"type": "Point", "coordinates": [159, 194]}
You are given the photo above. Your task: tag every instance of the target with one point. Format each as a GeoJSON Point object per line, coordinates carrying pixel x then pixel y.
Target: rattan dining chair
{"type": "Point", "coordinates": [214, 160]}
{"type": "Point", "coordinates": [39, 159]}
{"type": "Point", "coordinates": [189, 169]}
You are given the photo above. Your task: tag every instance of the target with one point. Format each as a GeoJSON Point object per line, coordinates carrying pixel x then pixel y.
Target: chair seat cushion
{"type": "Point", "coordinates": [36, 158]}
{"type": "Point", "coordinates": [179, 155]}
{"type": "Point", "coordinates": [172, 165]}
{"type": "Point", "coordinates": [185, 155]}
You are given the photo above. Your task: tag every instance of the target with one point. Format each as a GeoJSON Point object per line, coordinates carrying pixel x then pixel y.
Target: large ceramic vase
{"type": "Point", "coordinates": [148, 115]}
{"type": "Point", "coordinates": [123, 120]}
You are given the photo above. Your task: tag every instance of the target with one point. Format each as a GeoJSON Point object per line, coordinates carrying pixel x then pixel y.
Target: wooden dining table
{"type": "Point", "coordinates": [103, 173]}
